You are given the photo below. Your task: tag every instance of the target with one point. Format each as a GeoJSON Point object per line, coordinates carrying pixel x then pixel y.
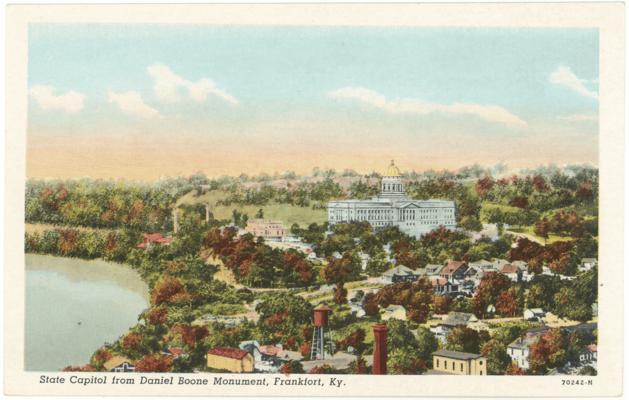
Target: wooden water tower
{"type": "Point", "coordinates": [321, 338]}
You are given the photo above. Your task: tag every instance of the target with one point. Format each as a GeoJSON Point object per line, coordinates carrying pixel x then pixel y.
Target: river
{"type": "Point", "coordinates": [74, 306]}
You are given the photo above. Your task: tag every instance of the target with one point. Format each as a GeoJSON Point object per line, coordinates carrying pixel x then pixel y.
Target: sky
{"type": "Point", "coordinates": [149, 101]}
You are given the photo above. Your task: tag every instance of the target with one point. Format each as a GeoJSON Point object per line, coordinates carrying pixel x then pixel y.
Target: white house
{"type": "Point", "coordinates": [587, 264]}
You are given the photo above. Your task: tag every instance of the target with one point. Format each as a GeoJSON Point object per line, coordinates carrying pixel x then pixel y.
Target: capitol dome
{"type": "Point", "coordinates": [392, 170]}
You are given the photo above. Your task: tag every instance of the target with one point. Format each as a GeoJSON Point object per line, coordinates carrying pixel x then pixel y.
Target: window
{"type": "Point", "coordinates": [453, 366]}
{"type": "Point", "coordinates": [480, 363]}
{"type": "Point", "coordinates": [445, 364]}
{"type": "Point", "coordinates": [437, 363]}
{"type": "Point", "coordinates": [461, 367]}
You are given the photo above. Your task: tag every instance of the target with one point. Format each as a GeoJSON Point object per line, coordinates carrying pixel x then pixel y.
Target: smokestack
{"type": "Point", "coordinates": [380, 351]}
{"type": "Point", "coordinates": [175, 221]}
{"type": "Point", "coordinates": [207, 213]}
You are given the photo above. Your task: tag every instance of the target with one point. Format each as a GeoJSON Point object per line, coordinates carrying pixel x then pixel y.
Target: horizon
{"type": "Point", "coordinates": [140, 102]}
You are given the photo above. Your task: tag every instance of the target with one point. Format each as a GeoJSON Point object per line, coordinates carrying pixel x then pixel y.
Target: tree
{"type": "Point", "coordinates": [292, 367]}
{"type": "Point", "coordinates": [463, 339]}
{"type": "Point", "coordinates": [154, 363]}
{"type": "Point", "coordinates": [399, 335]}
{"type": "Point", "coordinates": [359, 366]}
{"type": "Point", "coordinates": [497, 358]}
{"type": "Point", "coordinates": [169, 290]}
{"type": "Point", "coordinates": [427, 344]}
{"type": "Point", "coordinates": [356, 339]}
{"type": "Point", "coordinates": [491, 286]}
{"type": "Point", "coordinates": [405, 362]}
{"type": "Point", "coordinates": [542, 228]}
{"type": "Point", "coordinates": [513, 369]}
{"type": "Point", "coordinates": [370, 304]}
{"type": "Point", "coordinates": [549, 352]}
{"type": "Point", "coordinates": [323, 369]}
{"type": "Point", "coordinates": [260, 214]}
{"type": "Point", "coordinates": [588, 370]}
{"type": "Point", "coordinates": [507, 303]}
{"type": "Point", "coordinates": [340, 294]}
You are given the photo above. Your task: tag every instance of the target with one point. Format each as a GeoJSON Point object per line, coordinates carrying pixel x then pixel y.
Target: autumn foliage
{"type": "Point", "coordinates": [154, 363]}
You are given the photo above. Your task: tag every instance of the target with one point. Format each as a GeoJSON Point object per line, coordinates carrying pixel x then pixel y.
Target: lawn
{"type": "Point", "coordinates": [552, 238]}
{"type": "Point", "coordinates": [288, 214]}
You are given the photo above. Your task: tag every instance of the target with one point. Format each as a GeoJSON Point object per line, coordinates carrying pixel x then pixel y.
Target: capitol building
{"type": "Point", "coordinates": [393, 208]}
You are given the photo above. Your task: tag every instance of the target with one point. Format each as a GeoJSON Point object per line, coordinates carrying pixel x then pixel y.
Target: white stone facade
{"type": "Point", "coordinates": [393, 208]}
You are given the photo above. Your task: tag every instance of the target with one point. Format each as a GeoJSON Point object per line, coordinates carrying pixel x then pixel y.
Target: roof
{"type": "Point", "coordinates": [453, 266]}
{"type": "Point", "coordinates": [435, 268]}
{"type": "Point", "coordinates": [400, 270]}
{"type": "Point", "coordinates": [154, 238]}
{"type": "Point", "coordinates": [536, 310]}
{"type": "Point", "coordinates": [228, 352]}
{"type": "Point", "coordinates": [523, 343]}
{"type": "Point", "coordinates": [116, 361]}
{"type": "Point", "coordinates": [439, 282]}
{"type": "Point", "coordinates": [458, 318]}
{"type": "Point", "coordinates": [175, 351]}
{"type": "Point", "coordinates": [459, 355]}
{"type": "Point", "coordinates": [510, 269]}
{"type": "Point", "coordinates": [322, 307]}
{"type": "Point", "coordinates": [392, 170]}
{"type": "Point", "coordinates": [589, 260]}
{"type": "Point", "coordinates": [270, 350]}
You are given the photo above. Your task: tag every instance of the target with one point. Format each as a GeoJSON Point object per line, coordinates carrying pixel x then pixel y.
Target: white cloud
{"type": "Point", "coordinates": [167, 86]}
{"type": "Point", "coordinates": [490, 113]}
{"type": "Point", "coordinates": [564, 76]}
{"type": "Point", "coordinates": [579, 117]}
{"type": "Point", "coordinates": [70, 101]}
{"type": "Point", "coordinates": [131, 102]}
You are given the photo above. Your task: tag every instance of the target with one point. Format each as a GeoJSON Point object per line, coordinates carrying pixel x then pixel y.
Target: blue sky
{"type": "Point", "coordinates": [304, 84]}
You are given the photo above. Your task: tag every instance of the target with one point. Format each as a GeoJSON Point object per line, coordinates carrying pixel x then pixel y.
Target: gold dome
{"type": "Point", "coordinates": [392, 170]}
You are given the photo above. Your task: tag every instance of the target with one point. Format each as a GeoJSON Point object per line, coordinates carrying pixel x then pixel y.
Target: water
{"type": "Point", "coordinates": [74, 306]}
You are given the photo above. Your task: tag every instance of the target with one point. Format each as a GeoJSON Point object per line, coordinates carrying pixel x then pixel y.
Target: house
{"type": "Point", "coordinates": [230, 359]}
{"type": "Point", "coordinates": [433, 269]}
{"type": "Point", "coordinates": [252, 347]}
{"type": "Point", "coordinates": [498, 263]}
{"type": "Point", "coordinates": [451, 321]}
{"type": "Point", "coordinates": [364, 260]}
{"type": "Point", "coordinates": [481, 265]}
{"type": "Point", "coordinates": [512, 272]}
{"type": "Point", "coordinates": [587, 264]}
{"type": "Point", "coordinates": [393, 312]}
{"type": "Point", "coordinates": [459, 363]}
{"type": "Point", "coordinates": [119, 364]}
{"type": "Point", "coordinates": [519, 349]}
{"type": "Point", "coordinates": [534, 314]}
{"type": "Point", "coordinates": [589, 354]}
{"type": "Point", "coordinates": [153, 239]}
{"type": "Point", "coordinates": [175, 352]}
{"type": "Point", "coordinates": [473, 273]}
{"type": "Point", "coordinates": [454, 271]}
{"type": "Point", "coordinates": [266, 229]}
{"type": "Point", "coordinates": [442, 286]}
{"type": "Point", "coordinates": [399, 274]}
{"type": "Point", "coordinates": [269, 351]}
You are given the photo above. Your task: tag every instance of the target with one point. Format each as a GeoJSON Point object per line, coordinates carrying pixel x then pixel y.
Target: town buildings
{"type": "Point", "coordinates": [266, 229]}
{"type": "Point", "coordinates": [459, 363]}
{"type": "Point", "coordinates": [230, 359]}
{"type": "Point", "coordinates": [393, 208]}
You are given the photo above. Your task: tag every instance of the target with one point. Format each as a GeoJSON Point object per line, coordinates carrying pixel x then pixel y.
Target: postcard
{"type": "Point", "coordinates": [315, 200]}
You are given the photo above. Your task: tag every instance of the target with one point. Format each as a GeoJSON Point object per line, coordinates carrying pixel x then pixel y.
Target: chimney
{"type": "Point", "coordinates": [380, 351]}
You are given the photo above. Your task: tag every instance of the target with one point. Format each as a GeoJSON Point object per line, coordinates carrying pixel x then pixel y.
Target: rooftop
{"type": "Point", "coordinates": [459, 355]}
{"type": "Point", "coordinates": [228, 352]}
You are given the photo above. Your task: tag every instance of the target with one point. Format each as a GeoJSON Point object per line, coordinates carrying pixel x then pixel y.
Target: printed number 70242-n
{"type": "Point", "coordinates": [577, 382]}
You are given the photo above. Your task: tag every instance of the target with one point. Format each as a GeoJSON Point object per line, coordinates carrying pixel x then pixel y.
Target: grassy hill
{"type": "Point", "coordinates": [288, 214]}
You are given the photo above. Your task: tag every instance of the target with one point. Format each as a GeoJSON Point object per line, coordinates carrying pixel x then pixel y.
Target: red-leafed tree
{"type": "Point", "coordinates": [483, 186]}
{"type": "Point", "coordinates": [154, 363]}
{"type": "Point", "coordinates": [507, 303]}
{"type": "Point", "coordinates": [169, 289]}
{"type": "Point", "coordinates": [490, 287]}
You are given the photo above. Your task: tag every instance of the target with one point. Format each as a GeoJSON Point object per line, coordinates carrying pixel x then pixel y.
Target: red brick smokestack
{"type": "Point", "coordinates": [380, 350]}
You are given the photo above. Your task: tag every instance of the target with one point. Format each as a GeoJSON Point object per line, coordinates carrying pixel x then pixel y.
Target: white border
{"type": "Point", "coordinates": [608, 17]}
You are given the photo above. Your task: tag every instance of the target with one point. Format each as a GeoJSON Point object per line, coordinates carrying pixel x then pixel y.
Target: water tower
{"type": "Point", "coordinates": [321, 338]}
